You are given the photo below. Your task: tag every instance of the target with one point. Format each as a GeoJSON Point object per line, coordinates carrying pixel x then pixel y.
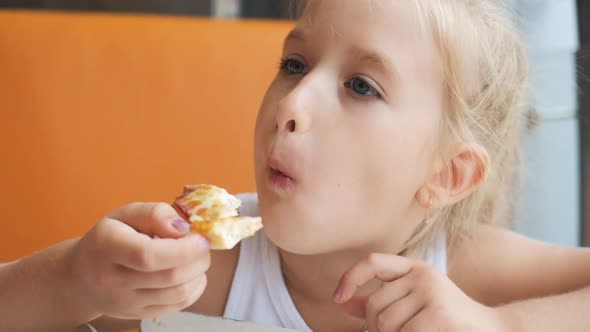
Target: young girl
{"type": "Point", "coordinates": [383, 147]}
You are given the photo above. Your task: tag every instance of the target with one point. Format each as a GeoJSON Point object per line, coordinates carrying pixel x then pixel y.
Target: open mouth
{"type": "Point", "coordinates": [279, 173]}
{"type": "Point", "coordinates": [280, 179]}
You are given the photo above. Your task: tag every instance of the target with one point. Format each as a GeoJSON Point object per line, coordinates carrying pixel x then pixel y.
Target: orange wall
{"type": "Point", "coordinates": [100, 110]}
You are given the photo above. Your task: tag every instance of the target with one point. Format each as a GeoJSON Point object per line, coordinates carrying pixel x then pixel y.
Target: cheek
{"type": "Point", "coordinates": [399, 164]}
{"type": "Point", "coordinates": [372, 176]}
{"type": "Point", "coordinates": [360, 189]}
{"type": "Point", "coordinates": [265, 122]}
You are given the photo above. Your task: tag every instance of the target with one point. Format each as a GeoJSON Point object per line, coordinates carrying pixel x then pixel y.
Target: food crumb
{"type": "Point", "coordinates": [159, 323]}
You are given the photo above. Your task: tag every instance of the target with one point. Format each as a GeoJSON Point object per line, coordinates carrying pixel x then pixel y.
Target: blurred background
{"type": "Point", "coordinates": [555, 199]}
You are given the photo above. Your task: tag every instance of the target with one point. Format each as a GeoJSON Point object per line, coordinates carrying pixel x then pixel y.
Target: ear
{"type": "Point", "coordinates": [456, 176]}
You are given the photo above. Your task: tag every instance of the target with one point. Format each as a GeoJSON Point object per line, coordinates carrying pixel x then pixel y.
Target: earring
{"type": "Point", "coordinates": [426, 219]}
{"type": "Point", "coordinates": [421, 229]}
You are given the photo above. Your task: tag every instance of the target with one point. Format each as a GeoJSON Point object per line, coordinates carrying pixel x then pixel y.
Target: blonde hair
{"type": "Point", "coordinates": [486, 70]}
{"type": "Point", "coordinates": [486, 74]}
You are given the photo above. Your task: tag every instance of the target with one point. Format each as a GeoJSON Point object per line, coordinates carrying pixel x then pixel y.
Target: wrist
{"type": "Point", "coordinates": [33, 285]}
{"type": "Point", "coordinates": [71, 282]}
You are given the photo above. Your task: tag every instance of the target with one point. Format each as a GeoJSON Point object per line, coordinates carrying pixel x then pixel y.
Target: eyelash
{"type": "Point", "coordinates": [286, 62]}
{"type": "Point", "coordinates": [284, 65]}
{"type": "Point", "coordinates": [374, 92]}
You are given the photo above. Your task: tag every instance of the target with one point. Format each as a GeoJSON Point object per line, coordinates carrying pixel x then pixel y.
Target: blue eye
{"type": "Point", "coordinates": [362, 87]}
{"type": "Point", "coordinates": [292, 67]}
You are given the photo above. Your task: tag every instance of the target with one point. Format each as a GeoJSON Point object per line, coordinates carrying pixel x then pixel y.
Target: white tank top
{"type": "Point", "coordinates": [258, 292]}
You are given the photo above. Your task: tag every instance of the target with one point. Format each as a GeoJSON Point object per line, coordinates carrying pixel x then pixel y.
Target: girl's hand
{"type": "Point", "coordinates": [414, 298]}
{"type": "Point", "coordinates": [121, 271]}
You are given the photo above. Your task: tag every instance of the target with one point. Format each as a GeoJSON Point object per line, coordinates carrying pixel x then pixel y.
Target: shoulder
{"type": "Point", "coordinates": [495, 266]}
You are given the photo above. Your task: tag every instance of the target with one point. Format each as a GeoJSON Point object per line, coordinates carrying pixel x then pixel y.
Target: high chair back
{"type": "Point", "coordinates": [101, 110]}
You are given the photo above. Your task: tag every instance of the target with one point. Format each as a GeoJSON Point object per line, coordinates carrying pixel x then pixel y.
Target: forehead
{"type": "Point", "coordinates": [393, 28]}
{"type": "Point", "coordinates": [364, 21]}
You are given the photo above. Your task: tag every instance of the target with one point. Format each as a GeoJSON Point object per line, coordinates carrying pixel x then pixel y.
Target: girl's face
{"type": "Point", "coordinates": [347, 132]}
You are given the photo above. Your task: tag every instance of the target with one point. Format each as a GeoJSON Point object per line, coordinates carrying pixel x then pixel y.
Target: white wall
{"type": "Point", "coordinates": [550, 205]}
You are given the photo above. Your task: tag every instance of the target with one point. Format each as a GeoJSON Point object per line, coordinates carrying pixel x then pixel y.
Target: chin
{"type": "Point", "coordinates": [294, 231]}
{"type": "Point", "coordinates": [298, 245]}
{"type": "Point", "coordinates": [285, 227]}
{"type": "Point", "coordinates": [296, 221]}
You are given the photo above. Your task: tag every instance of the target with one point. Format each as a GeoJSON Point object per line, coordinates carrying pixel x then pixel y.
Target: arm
{"type": "Point", "coordinates": [496, 266]}
{"type": "Point", "coordinates": [117, 269]}
{"type": "Point", "coordinates": [536, 286]}
{"type": "Point", "coordinates": [565, 312]}
{"type": "Point", "coordinates": [30, 288]}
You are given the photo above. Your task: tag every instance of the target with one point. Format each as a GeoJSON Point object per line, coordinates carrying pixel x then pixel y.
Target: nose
{"type": "Point", "coordinates": [294, 112]}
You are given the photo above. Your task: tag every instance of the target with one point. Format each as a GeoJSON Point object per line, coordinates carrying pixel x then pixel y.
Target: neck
{"type": "Point", "coordinates": [312, 280]}
{"type": "Point", "coordinates": [315, 277]}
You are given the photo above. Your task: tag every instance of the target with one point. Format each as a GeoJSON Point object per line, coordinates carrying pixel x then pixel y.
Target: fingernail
{"type": "Point", "coordinates": [181, 225]}
{"type": "Point", "coordinates": [337, 294]}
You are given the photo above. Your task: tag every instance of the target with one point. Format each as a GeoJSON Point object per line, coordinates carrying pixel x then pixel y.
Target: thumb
{"type": "Point", "coordinates": [356, 306]}
{"type": "Point", "coordinates": [153, 219]}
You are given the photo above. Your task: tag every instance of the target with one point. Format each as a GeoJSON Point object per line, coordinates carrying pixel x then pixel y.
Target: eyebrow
{"type": "Point", "coordinates": [295, 35]}
{"type": "Point", "coordinates": [362, 55]}
{"type": "Point", "coordinates": [376, 59]}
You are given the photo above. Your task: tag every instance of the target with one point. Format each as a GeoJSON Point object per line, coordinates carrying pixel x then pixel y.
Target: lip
{"type": "Point", "coordinates": [279, 168]}
{"type": "Point", "coordinates": [280, 176]}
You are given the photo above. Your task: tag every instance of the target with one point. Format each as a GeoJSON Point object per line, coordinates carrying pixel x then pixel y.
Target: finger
{"type": "Point", "coordinates": [161, 254]}
{"type": "Point", "coordinates": [398, 314]}
{"type": "Point", "coordinates": [129, 278]}
{"type": "Point", "coordinates": [381, 266]}
{"type": "Point", "coordinates": [420, 322]}
{"type": "Point", "coordinates": [387, 295]}
{"type": "Point", "coordinates": [369, 307]}
{"type": "Point", "coordinates": [151, 311]}
{"type": "Point", "coordinates": [152, 219]}
{"type": "Point", "coordinates": [171, 295]}
{"type": "Point", "coordinates": [356, 306]}
{"type": "Point", "coordinates": [142, 253]}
